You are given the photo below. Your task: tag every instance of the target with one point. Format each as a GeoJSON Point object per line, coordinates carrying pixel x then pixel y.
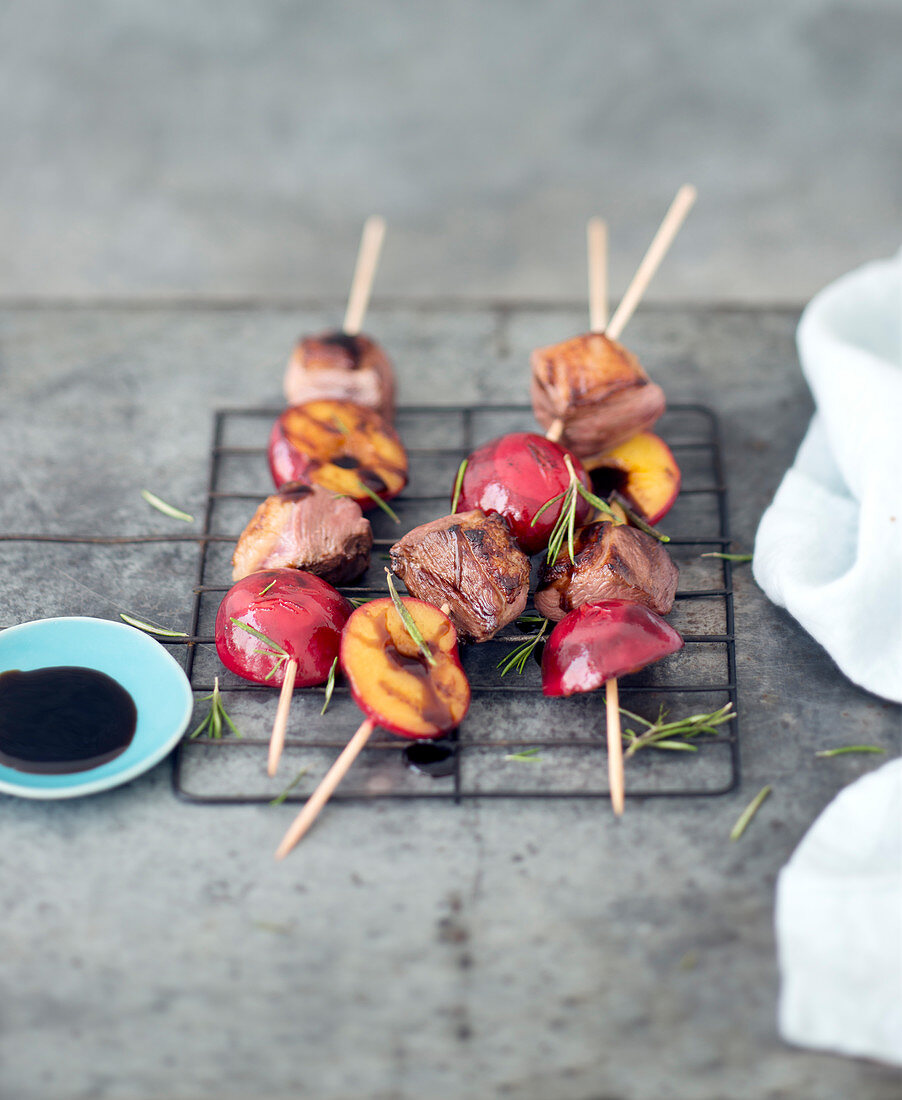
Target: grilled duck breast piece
{"type": "Point", "coordinates": [597, 388]}
{"type": "Point", "coordinates": [337, 366]}
{"type": "Point", "coordinates": [613, 562]}
{"type": "Point", "coordinates": [304, 527]}
{"type": "Point", "coordinates": [471, 562]}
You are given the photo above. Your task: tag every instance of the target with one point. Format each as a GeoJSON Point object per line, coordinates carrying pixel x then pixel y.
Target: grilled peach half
{"type": "Point", "coordinates": [341, 446]}
{"type": "Point", "coordinates": [389, 676]}
{"type": "Point", "coordinates": [643, 470]}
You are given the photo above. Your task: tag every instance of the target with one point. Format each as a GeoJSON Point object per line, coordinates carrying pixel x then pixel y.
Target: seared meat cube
{"type": "Point", "coordinates": [613, 562]}
{"type": "Point", "coordinates": [338, 366]}
{"type": "Point", "coordinates": [304, 527]}
{"type": "Point", "coordinates": [471, 562]}
{"type": "Point", "coordinates": [597, 388]}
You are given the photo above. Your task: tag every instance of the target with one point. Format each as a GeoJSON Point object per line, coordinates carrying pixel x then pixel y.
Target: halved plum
{"type": "Point", "coordinates": [603, 641]}
{"type": "Point", "coordinates": [515, 476]}
{"type": "Point", "coordinates": [302, 614]}
{"type": "Point", "coordinates": [341, 446]}
{"type": "Point", "coordinates": [643, 470]}
{"type": "Point", "coordinates": [391, 679]}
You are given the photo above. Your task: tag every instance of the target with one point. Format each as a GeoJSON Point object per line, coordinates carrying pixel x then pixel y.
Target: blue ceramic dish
{"type": "Point", "coordinates": [141, 665]}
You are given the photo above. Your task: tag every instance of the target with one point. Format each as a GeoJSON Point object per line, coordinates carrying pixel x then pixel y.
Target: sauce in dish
{"type": "Point", "coordinates": [54, 721]}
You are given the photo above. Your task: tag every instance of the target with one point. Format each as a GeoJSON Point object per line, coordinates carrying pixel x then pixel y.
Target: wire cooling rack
{"type": "Point", "coordinates": [514, 743]}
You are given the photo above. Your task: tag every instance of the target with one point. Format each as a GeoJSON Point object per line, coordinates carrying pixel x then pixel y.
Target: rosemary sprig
{"type": "Point", "coordinates": [636, 520]}
{"type": "Point", "coordinates": [675, 735]}
{"type": "Point", "coordinates": [390, 512]}
{"type": "Point", "coordinates": [518, 658]}
{"type": "Point", "coordinates": [843, 749]}
{"type": "Point", "coordinates": [267, 588]}
{"type": "Point", "coordinates": [458, 484]}
{"type": "Point", "coordinates": [565, 525]}
{"type": "Point", "coordinates": [407, 619]}
{"type": "Point", "coordinates": [151, 628]}
{"type": "Point", "coordinates": [739, 558]}
{"type": "Point", "coordinates": [525, 755]}
{"type": "Point", "coordinates": [529, 620]}
{"type": "Point", "coordinates": [330, 685]}
{"type": "Point", "coordinates": [749, 812]}
{"type": "Point", "coordinates": [274, 650]}
{"type": "Point", "coordinates": [212, 724]}
{"type": "Point", "coordinates": [280, 798]}
{"type": "Point", "coordinates": [167, 509]}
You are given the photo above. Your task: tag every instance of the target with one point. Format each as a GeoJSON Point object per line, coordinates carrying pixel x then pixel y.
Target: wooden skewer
{"type": "Point", "coordinates": [597, 246]}
{"type": "Point", "coordinates": [277, 738]}
{"type": "Point", "coordinates": [615, 746]}
{"type": "Point", "coordinates": [364, 273]}
{"type": "Point", "coordinates": [327, 785]}
{"type": "Point", "coordinates": [597, 243]}
{"type": "Point", "coordinates": [657, 250]}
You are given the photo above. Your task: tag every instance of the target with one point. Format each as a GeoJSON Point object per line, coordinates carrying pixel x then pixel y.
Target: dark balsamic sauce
{"type": "Point", "coordinates": [433, 758]}
{"type": "Point", "coordinates": [54, 721]}
{"type": "Point", "coordinates": [345, 462]}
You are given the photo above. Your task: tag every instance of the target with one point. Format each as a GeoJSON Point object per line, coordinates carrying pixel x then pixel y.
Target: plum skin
{"type": "Point", "coordinates": [603, 641]}
{"type": "Point", "coordinates": [514, 476]}
{"type": "Point", "coordinates": [302, 613]}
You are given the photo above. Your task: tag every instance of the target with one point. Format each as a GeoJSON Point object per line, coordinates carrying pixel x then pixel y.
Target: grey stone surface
{"type": "Point", "coordinates": [527, 950]}
{"type": "Point", "coordinates": [234, 149]}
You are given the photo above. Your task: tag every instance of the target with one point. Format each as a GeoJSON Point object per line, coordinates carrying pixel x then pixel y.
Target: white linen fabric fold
{"type": "Point", "coordinates": [829, 548]}
{"type": "Point", "coordinates": [839, 925]}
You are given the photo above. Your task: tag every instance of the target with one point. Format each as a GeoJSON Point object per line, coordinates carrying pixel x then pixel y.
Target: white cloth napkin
{"type": "Point", "coordinates": [839, 924]}
{"type": "Point", "coordinates": [829, 548]}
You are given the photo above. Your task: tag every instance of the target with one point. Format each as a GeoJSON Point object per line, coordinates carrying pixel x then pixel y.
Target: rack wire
{"type": "Point", "coordinates": [514, 743]}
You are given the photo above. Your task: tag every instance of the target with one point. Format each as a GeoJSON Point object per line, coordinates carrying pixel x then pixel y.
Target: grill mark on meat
{"type": "Point", "coordinates": [294, 490]}
{"type": "Point", "coordinates": [612, 562]}
{"type": "Point", "coordinates": [350, 345]}
{"type": "Point", "coordinates": [470, 561]}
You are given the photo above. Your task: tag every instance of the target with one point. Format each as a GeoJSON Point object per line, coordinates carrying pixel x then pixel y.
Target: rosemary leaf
{"type": "Point", "coordinates": [740, 558]}
{"type": "Point", "coordinates": [259, 636]}
{"type": "Point", "coordinates": [215, 717]}
{"type": "Point", "coordinates": [749, 812]}
{"type": "Point", "coordinates": [843, 749]}
{"type": "Point", "coordinates": [280, 798]}
{"type": "Point", "coordinates": [673, 735]}
{"type": "Point", "coordinates": [150, 628]}
{"type": "Point", "coordinates": [458, 484]}
{"type": "Point", "coordinates": [359, 601]}
{"type": "Point", "coordinates": [267, 588]}
{"type": "Point", "coordinates": [637, 521]}
{"type": "Point", "coordinates": [518, 658]}
{"type": "Point", "coordinates": [407, 619]}
{"type": "Point", "coordinates": [275, 668]}
{"type": "Point", "coordinates": [167, 509]}
{"type": "Point", "coordinates": [330, 685]}
{"type": "Point", "coordinates": [390, 512]}
{"type": "Point", "coordinates": [547, 504]}
{"type": "Point", "coordinates": [526, 754]}
{"type": "Point", "coordinates": [596, 502]}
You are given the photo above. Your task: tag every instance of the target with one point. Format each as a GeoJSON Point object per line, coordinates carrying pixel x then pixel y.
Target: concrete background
{"type": "Point", "coordinates": [227, 153]}
{"type": "Point", "coordinates": [153, 950]}
{"type": "Point", "coordinates": [233, 149]}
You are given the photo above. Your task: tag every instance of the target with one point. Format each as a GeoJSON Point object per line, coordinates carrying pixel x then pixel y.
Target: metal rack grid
{"type": "Point", "coordinates": [570, 758]}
